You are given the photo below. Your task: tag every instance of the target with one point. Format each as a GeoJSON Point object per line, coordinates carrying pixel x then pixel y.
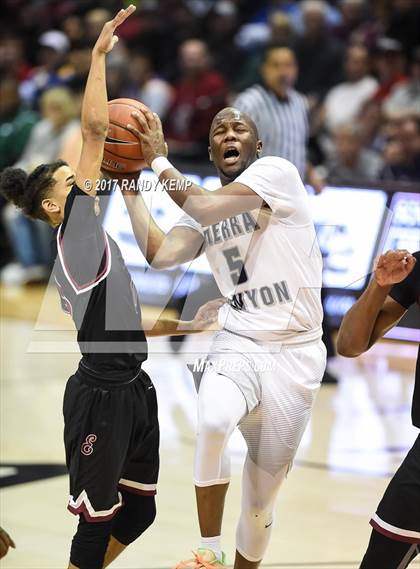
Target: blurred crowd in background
{"type": "Point", "coordinates": [335, 84]}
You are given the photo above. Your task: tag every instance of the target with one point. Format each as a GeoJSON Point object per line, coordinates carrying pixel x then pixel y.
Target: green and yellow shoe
{"type": "Point", "coordinates": [203, 559]}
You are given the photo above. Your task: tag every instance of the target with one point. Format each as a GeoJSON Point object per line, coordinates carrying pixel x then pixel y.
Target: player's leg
{"type": "Point", "coordinates": [395, 539]}
{"type": "Point", "coordinates": [114, 549]}
{"type": "Point", "coordinates": [259, 493]}
{"type": "Point", "coordinates": [388, 553]}
{"type": "Point", "coordinates": [273, 432]}
{"type": "Point", "coordinates": [244, 563]}
{"type": "Point", "coordinates": [98, 424]}
{"type": "Point", "coordinates": [134, 518]}
{"type": "Point", "coordinates": [89, 544]}
{"type": "Point", "coordinates": [221, 405]}
{"type": "Point", "coordinates": [139, 479]}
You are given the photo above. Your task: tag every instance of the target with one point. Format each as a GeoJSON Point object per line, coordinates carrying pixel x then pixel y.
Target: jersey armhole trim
{"type": "Point", "coordinates": [63, 297]}
{"type": "Point", "coordinates": [79, 289]}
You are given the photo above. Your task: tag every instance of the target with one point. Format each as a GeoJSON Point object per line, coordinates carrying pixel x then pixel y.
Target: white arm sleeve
{"type": "Point", "coordinates": [187, 221]}
{"type": "Point", "coordinates": [278, 183]}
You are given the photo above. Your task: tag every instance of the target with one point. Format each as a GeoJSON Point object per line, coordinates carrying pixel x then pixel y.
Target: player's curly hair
{"type": "Point", "coordinates": [28, 191]}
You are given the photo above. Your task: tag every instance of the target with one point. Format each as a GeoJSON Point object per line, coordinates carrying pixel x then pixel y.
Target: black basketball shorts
{"type": "Point", "coordinates": [111, 437]}
{"type": "Point", "coordinates": [398, 514]}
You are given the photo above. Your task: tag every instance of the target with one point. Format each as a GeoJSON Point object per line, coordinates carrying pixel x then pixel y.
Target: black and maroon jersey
{"type": "Point", "coordinates": [97, 291]}
{"type": "Point", "coordinates": [407, 293]}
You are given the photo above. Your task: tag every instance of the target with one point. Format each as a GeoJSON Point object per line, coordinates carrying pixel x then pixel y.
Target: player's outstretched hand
{"type": "Point", "coordinates": [393, 267]}
{"type": "Point", "coordinates": [148, 129]}
{"type": "Point", "coordinates": [206, 317]}
{"type": "Point", "coordinates": [107, 39]}
{"type": "Point", "coordinates": [5, 542]}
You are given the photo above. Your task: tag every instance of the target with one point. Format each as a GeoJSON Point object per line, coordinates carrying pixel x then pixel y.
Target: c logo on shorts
{"type": "Point", "coordinates": [87, 446]}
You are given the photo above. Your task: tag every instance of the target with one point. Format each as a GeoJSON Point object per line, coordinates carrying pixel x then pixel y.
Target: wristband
{"type": "Point", "coordinates": [160, 164]}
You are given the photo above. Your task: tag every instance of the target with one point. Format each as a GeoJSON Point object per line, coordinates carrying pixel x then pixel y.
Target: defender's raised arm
{"type": "Point", "coordinates": [94, 116]}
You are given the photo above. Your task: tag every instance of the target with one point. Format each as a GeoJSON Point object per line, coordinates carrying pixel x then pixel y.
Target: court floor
{"type": "Point", "coordinates": [359, 433]}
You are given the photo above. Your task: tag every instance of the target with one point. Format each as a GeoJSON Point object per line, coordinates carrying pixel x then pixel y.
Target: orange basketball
{"type": "Point", "coordinates": [122, 152]}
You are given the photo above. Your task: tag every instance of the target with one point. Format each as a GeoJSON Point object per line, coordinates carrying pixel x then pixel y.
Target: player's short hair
{"type": "Point", "coordinates": [28, 191]}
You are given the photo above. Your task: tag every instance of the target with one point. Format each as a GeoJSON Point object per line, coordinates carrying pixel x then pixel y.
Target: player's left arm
{"type": "Point", "coordinates": [204, 320]}
{"type": "Point", "coordinates": [94, 115]}
{"type": "Point", "coordinates": [206, 207]}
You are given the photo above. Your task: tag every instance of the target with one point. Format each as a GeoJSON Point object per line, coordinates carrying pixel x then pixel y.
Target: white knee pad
{"type": "Point", "coordinates": [214, 422]}
{"type": "Point", "coordinates": [212, 463]}
{"type": "Point", "coordinates": [221, 406]}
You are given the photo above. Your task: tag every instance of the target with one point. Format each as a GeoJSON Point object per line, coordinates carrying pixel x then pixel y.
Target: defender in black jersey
{"type": "Point", "coordinates": [110, 411]}
{"type": "Point", "coordinates": [111, 430]}
{"type": "Point", "coordinates": [395, 539]}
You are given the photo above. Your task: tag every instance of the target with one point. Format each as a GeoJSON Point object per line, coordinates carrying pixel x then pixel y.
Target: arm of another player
{"type": "Point", "coordinates": [94, 116]}
{"type": "Point", "coordinates": [314, 179]}
{"type": "Point", "coordinates": [206, 207]}
{"type": "Point", "coordinates": [204, 320]}
{"type": "Point", "coordinates": [161, 250]}
{"type": "Point", "coordinates": [5, 542]}
{"type": "Point", "coordinates": [375, 312]}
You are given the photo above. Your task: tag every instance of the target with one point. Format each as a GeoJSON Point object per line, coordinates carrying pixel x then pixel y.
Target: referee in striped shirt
{"type": "Point", "coordinates": [280, 112]}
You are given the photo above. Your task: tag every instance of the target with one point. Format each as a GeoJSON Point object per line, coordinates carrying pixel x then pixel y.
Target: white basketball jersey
{"type": "Point", "coordinates": [267, 262]}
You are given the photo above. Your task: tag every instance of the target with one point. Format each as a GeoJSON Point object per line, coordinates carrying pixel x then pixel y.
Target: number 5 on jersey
{"type": "Point", "coordinates": [236, 265]}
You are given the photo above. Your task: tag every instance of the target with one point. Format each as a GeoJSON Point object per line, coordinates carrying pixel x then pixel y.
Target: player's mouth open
{"type": "Point", "coordinates": [231, 155]}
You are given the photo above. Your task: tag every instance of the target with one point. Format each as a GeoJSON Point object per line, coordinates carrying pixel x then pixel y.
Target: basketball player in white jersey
{"type": "Point", "coordinates": [266, 364]}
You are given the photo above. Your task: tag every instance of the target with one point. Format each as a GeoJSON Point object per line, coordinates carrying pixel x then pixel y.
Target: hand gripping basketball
{"type": "Point", "coordinates": [149, 132]}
